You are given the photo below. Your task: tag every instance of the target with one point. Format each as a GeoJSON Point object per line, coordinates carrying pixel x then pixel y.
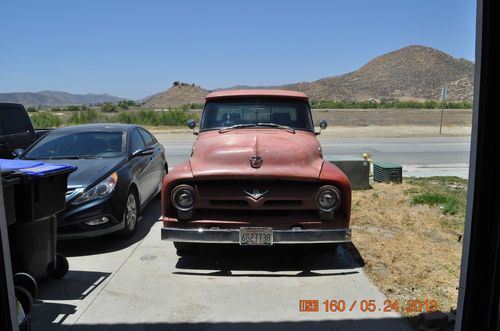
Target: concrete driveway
{"type": "Point", "coordinates": [141, 284]}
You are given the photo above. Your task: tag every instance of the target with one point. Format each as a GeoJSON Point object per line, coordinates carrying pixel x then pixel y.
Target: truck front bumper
{"type": "Point", "coordinates": [232, 236]}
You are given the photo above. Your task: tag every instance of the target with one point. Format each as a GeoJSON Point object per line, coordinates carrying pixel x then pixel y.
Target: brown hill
{"type": "Point", "coordinates": [177, 95]}
{"type": "Point", "coordinates": [412, 72]}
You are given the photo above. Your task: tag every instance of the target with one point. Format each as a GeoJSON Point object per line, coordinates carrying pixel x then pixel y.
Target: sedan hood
{"type": "Point", "coordinates": [88, 170]}
{"type": "Point", "coordinates": [284, 155]}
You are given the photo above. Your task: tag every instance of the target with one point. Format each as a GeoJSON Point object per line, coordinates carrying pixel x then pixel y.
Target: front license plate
{"type": "Point", "coordinates": [256, 236]}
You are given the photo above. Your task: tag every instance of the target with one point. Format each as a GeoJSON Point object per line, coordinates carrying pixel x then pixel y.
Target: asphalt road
{"type": "Point", "coordinates": [419, 156]}
{"type": "Point", "coordinates": [141, 284]}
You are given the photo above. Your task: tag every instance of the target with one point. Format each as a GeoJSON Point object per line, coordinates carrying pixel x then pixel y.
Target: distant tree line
{"type": "Point", "coordinates": [172, 117]}
{"type": "Point", "coordinates": [178, 84]}
{"type": "Point", "coordinates": [385, 104]}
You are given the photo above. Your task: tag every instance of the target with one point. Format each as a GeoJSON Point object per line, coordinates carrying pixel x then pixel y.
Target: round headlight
{"type": "Point", "coordinates": [328, 198]}
{"type": "Point", "coordinates": [183, 197]}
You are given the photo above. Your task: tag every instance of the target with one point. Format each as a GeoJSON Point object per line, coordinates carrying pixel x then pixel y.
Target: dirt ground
{"type": "Point", "coordinates": [393, 117]}
{"type": "Point", "coordinates": [410, 251]}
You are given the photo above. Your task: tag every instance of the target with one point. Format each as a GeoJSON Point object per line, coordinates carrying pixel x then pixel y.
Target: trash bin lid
{"type": "Point", "coordinates": [48, 169]}
{"type": "Point", "coordinates": [17, 164]}
{"type": "Point", "coordinates": [35, 168]}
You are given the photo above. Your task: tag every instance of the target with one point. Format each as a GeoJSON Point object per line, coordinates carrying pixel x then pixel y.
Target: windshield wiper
{"type": "Point", "coordinates": [67, 157]}
{"type": "Point", "coordinates": [237, 126]}
{"type": "Point", "coordinates": [277, 126]}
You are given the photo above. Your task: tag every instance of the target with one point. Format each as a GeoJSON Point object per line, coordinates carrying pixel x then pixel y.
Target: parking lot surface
{"type": "Point", "coordinates": [141, 284]}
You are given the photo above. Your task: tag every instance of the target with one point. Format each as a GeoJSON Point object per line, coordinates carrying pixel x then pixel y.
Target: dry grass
{"type": "Point", "coordinates": [411, 251]}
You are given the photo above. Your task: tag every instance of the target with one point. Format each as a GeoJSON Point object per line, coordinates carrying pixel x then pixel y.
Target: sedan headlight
{"type": "Point", "coordinates": [183, 197]}
{"type": "Point", "coordinates": [328, 199]}
{"type": "Point", "coordinates": [101, 190]}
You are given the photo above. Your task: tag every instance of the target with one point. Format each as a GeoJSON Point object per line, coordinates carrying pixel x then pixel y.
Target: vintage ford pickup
{"type": "Point", "coordinates": [256, 176]}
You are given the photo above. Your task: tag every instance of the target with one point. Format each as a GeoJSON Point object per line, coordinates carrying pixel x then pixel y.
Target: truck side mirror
{"type": "Point", "coordinates": [191, 124]}
{"type": "Point", "coordinates": [323, 124]}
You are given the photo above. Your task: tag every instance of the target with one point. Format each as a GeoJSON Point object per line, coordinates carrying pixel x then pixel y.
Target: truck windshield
{"type": "Point", "coordinates": [256, 112]}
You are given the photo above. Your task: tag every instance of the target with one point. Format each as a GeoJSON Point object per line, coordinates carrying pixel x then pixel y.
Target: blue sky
{"type": "Point", "coordinates": [137, 48]}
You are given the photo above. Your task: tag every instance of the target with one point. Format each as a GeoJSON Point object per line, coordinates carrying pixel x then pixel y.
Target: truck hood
{"type": "Point", "coordinates": [284, 155]}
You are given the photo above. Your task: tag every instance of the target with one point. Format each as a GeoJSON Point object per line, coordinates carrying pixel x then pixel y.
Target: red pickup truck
{"type": "Point", "coordinates": [256, 176]}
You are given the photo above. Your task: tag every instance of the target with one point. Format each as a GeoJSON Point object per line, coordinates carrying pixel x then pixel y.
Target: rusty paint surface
{"type": "Point", "coordinates": [256, 93]}
{"type": "Point", "coordinates": [223, 171]}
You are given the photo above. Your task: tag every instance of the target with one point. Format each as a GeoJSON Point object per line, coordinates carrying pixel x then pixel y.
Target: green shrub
{"type": "Point", "coordinates": [108, 107]}
{"type": "Point", "coordinates": [85, 116]}
{"type": "Point", "coordinates": [448, 204]}
{"type": "Point", "coordinates": [72, 108]}
{"type": "Point", "coordinates": [45, 120]}
{"type": "Point", "coordinates": [125, 104]}
{"type": "Point", "coordinates": [173, 117]}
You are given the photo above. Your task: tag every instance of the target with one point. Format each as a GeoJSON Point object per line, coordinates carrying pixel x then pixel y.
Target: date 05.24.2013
{"type": "Point", "coordinates": [369, 306]}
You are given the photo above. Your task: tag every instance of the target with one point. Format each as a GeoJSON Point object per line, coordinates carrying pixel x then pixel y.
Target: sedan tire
{"type": "Point", "coordinates": [130, 215]}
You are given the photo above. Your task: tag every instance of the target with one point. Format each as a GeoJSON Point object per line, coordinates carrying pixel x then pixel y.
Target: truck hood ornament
{"type": "Point", "coordinates": [256, 161]}
{"type": "Point", "coordinates": [256, 195]}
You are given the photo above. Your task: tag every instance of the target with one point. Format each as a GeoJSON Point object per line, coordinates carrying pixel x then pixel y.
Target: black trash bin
{"type": "Point", "coordinates": [34, 193]}
{"type": "Point", "coordinates": [9, 179]}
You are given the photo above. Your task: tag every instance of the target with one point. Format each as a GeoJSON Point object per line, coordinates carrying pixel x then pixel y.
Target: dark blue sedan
{"type": "Point", "coordinates": [120, 169]}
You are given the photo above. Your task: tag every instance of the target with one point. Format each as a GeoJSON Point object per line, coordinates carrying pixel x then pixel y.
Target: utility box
{"type": "Point", "coordinates": [386, 172]}
{"type": "Point", "coordinates": [356, 169]}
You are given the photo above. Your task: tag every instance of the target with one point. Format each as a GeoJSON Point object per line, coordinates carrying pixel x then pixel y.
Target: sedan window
{"type": "Point", "coordinates": [148, 138]}
{"type": "Point", "coordinates": [136, 141]}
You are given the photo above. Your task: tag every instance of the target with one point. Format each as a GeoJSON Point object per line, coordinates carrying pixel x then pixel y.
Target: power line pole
{"type": "Point", "coordinates": [444, 95]}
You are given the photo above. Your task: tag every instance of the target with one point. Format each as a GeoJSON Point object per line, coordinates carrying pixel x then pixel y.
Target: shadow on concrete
{"type": "Point", "coordinates": [111, 243]}
{"type": "Point", "coordinates": [306, 260]}
{"type": "Point", "coordinates": [50, 316]}
{"type": "Point", "coordinates": [76, 285]}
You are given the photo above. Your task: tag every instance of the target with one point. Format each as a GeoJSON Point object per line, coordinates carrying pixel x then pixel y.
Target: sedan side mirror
{"type": "Point", "coordinates": [143, 152]}
{"type": "Point", "coordinates": [17, 152]}
{"type": "Point", "coordinates": [323, 124]}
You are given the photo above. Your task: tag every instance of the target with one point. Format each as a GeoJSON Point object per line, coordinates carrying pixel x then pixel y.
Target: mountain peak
{"type": "Point", "coordinates": [178, 94]}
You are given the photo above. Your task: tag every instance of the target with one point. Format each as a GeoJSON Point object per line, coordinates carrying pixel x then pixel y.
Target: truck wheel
{"type": "Point", "coordinates": [183, 248]}
{"type": "Point", "coordinates": [26, 281]}
{"type": "Point", "coordinates": [24, 297]}
{"type": "Point", "coordinates": [62, 267]}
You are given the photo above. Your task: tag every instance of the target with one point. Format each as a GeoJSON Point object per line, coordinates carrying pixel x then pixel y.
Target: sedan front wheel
{"type": "Point", "coordinates": [130, 215]}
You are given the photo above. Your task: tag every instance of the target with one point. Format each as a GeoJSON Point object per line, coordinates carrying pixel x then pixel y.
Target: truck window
{"type": "Point", "coordinates": [12, 121]}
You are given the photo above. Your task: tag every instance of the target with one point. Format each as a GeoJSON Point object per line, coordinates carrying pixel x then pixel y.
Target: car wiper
{"type": "Point", "coordinates": [277, 126]}
{"type": "Point", "coordinates": [237, 126]}
{"type": "Point", "coordinates": [67, 157]}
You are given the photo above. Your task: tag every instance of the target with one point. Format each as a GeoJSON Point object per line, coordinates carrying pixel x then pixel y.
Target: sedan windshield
{"type": "Point", "coordinates": [265, 113]}
{"type": "Point", "coordinates": [78, 145]}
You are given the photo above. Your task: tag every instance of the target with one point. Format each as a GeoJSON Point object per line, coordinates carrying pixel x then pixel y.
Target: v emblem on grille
{"type": "Point", "coordinates": [256, 195]}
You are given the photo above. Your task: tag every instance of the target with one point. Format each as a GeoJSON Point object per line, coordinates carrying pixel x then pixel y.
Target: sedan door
{"type": "Point", "coordinates": [156, 171]}
{"type": "Point", "coordinates": [139, 165]}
